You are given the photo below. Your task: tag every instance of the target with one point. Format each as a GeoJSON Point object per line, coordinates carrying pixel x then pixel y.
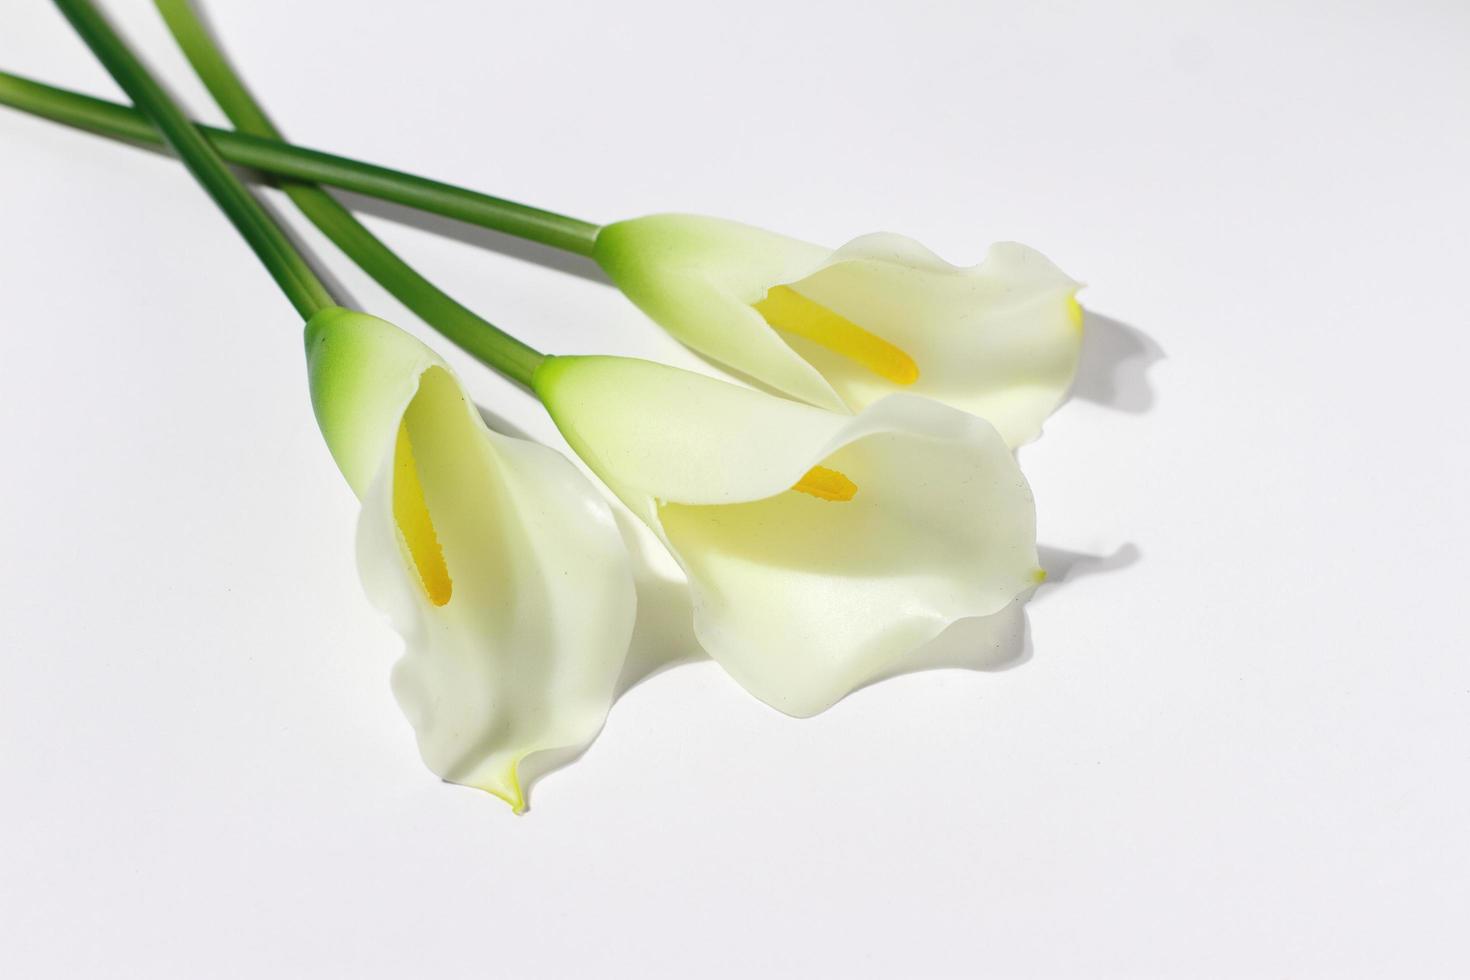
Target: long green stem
{"type": "Point", "coordinates": [270, 243]}
{"type": "Point", "coordinates": [285, 160]}
{"type": "Point", "coordinates": [476, 335]}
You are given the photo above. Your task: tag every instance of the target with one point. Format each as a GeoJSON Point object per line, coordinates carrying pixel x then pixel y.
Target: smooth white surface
{"type": "Point", "coordinates": [1244, 753]}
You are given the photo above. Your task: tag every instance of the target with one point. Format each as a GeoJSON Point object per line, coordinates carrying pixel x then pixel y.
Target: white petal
{"type": "Point", "coordinates": [649, 430]}
{"type": "Point", "coordinates": [1000, 340]}
{"type": "Point", "coordinates": [803, 600]}
{"type": "Point", "coordinates": [696, 277]}
{"type": "Point", "coordinates": [519, 666]}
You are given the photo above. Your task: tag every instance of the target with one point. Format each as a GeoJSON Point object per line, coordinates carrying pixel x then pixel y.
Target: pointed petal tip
{"type": "Point", "coordinates": [514, 799]}
{"type": "Point", "coordinates": [506, 788]}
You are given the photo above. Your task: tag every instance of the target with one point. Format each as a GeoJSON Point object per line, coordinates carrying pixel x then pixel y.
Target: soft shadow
{"type": "Point", "coordinates": [437, 224]}
{"type": "Point", "coordinates": [663, 636]}
{"type": "Point", "coordinates": [334, 286]}
{"type": "Point", "coordinates": [1003, 640]}
{"type": "Point", "coordinates": [663, 633]}
{"type": "Point", "coordinates": [500, 424]}
{"type": "Point", "coordinates": [663, 627]}
{"type": "Point", "coordinates": [477, 235]}
{"type": "Point", "coordinates": [1114, 366]}
{"type": "Point", "coordinates": [470, 234]}
{"type": "Point", "coordinates": [989, 643]}
{"type": "Point", "coordinates": [339, 293]}
{"type": "Point", "coordinates": [1066, 566]}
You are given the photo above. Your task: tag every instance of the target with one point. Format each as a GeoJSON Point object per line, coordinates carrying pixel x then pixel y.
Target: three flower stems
{"type": "Point", "coordinates": [257, 144]}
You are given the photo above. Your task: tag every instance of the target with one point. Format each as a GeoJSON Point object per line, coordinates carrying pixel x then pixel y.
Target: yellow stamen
{"type": "Point", "coordinates": [411, 514]}
{"type": "Point", "coordinates": [826, 484]}
{"type": "Point", "coordinates": [786, 309]}
{"type": "Point", "coordinates": [1074, 312]}
{"type": "Point", "coordinates": [1038, 576]}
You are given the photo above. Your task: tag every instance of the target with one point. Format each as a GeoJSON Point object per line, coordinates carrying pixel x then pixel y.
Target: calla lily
{"type": "Point", "coordinates": [820, 547]}
{"type": "Point", "coordinates": [496, 560]}
{"type": "Point", "coordinates": [837, 329]}
{"type": "Point", "coordinates": [842, 329]}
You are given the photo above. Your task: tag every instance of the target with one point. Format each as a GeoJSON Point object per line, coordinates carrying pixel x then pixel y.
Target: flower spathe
{"type": "Point", "coordinates": [842, 329]}
{"type": "Point", "coordinates": [820, 547]}
{"type": "Point", "coordinates": [495, 558]}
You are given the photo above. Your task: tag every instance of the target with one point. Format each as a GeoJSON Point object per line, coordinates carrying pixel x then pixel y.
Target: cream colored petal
{"type": "Point", "coordinates": [697, 278]}
{"type": "Point", "coordinates": [519, 665]}
{"type": "Point", "coordinates": [1000, 340]}
{"type": "Point", "coordinates": [801, 599]}
{"type": "Point", "coordinates": [649, 430]}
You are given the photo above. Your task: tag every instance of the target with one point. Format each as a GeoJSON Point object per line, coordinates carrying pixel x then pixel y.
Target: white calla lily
{"type": "Point", "coordinates": [820, 547]}
{"type": "Point", "coordinates": [842, 329]}
{"type": "Point", "coordinates": [497, 561]}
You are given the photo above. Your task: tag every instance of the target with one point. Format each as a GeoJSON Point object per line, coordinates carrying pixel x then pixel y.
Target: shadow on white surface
{"type": "Point", "coordinates": [663, 634]}
{"type": "Point", "coordinates": [335, 288]}
{"type": "Point", "coordinates": [1068, 566]}
{"type": "Point", "coordinates": [339, 292]}
{"type": "Point", "coordinates": [477, 235]}
{"type": "Point", "coordinates": [447, 227]}
{"type": "Point", "coordinates": [987, 643]}
{"type": "Point", "coordinates": [1115, 363]}
{"type": "Point", "coordinates": [1002, 641]}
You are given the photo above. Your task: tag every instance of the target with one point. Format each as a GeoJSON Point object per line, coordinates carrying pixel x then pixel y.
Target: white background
{"type": "Point", "coordinates": [1237, 743]}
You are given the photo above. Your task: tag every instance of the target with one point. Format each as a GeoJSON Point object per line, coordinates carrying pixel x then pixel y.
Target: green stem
{"type": "Point", "coordinates": [479, 337]}
{"type": "Point", "coordinates": [285, 160]}
{"type": "Point", "coordinates": [279, 256]}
